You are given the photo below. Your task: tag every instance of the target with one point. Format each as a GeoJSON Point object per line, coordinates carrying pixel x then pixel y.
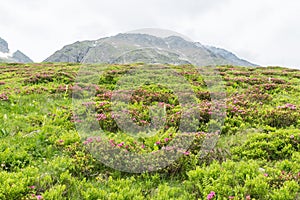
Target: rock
{"type": "Point", "coordinates": [3, 46]}
{"type": "Point", "coordinates": [7, 57]}
{"type": "Point", "coordinates": [20, 57]}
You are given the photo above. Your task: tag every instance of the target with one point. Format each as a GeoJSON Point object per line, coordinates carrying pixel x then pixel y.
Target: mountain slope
{"type": "Point", "coordinates": [9, 57]}
{"type": "Point", "coordinates": [135, 47]}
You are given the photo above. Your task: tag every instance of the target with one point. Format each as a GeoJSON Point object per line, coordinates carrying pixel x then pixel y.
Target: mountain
{"type": "Point", "coordinates": [3, 46]}
{"type": "Point", "coordinates": [9, 57]}
{"type": "Point", "coordinates": [136, 47]}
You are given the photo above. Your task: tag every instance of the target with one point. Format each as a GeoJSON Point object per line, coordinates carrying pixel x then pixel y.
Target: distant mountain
{"type": "Point", "coordinates": [3, 46]}
{"type": "Point", "coordinates": [135, 47]}
{"type": "Point", "coordinates": [7, 56]}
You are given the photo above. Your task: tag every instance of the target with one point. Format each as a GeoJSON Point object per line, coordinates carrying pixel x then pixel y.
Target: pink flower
{"type": "Point", "coordinates": [266, 175]}
{"type": "Point", "coordinates": [157, 143]}
{"type": "Point", "coordinates": [32, 187]}
{"type": "Point", "coordinates": [167, 139]}
{"type": "Point", "coordinates": [121, 144]}
{"type": "Point", "coordinates": [231, 197]}
{"type": "Point", "coordinates": [101, 117]}
{"type": "Point", "coordinates": [112, 142]}
{"type": "Point", "coordinates": [143, 121]}
{"type": "Point", "coordinates": [248, 197]}
{"type": "Point", "coordinates": [39, 197]}
{"type": "Point", "coordinates": [90, 139]}
{"type": "Point", "coordinates": [211, 195]}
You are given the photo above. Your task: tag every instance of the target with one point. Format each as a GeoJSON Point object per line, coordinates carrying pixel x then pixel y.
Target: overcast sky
{"type": "Point", "coordinates": [265, 32]}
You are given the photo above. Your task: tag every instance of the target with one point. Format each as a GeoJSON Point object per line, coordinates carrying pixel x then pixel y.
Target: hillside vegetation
{"type": "Point", "coordinates": [43, 156]}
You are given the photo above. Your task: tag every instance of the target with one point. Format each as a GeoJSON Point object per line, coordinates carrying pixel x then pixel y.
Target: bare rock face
{"type": "Point", "coordinates": [3, 46]}
{"type": "Point", "coordinates": [9, 57]}
{"type": "Point", "coordinates": [20, 57]}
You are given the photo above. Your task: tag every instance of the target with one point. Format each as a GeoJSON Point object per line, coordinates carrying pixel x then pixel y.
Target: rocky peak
{"type": "Point", "coordinates": [20, 57]}
{"type": "Point", "coordinates": [3, 46]}
{"type": "Point", "coordinates": [9, 57]}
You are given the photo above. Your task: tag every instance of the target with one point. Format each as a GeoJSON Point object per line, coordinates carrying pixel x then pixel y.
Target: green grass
{"type": "Point", "coordinates": [47, 153]}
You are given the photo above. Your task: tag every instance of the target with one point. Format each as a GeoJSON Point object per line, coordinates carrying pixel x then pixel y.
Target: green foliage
{"type": "Point", "coordinates": [42, 155]}
{"type": "Point", "coordinates": [276, 145]}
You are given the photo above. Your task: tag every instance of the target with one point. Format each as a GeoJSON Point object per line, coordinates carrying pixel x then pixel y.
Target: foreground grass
{"type": "Point", "coordinates": [42, 155]}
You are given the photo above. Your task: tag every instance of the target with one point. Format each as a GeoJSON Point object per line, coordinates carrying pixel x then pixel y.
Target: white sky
{"type": "Point", "coordinates": [265, 32]}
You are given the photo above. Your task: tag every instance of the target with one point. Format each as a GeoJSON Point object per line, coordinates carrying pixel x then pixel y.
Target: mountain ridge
{"type": "Point", "coordinates": [135, 47]}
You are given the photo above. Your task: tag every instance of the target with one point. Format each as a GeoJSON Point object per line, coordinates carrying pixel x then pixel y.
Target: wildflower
{"type": "Point", "coordinates": [101, 117]}
{"type": "Point", "coordinates": [102, 104]}
{"type": "Point", "coordinates": [39, 197]}
{"type": "Point", "coordinates": [266, 175]}
{"type": "Point", "coordinates": [211, 195]}
{"type": "Point", "coordinates": [167, 139]}
{"type": "Point", "coordinates": [248, 197]}
{"type": "Point", "coordinates": [289, 106]}
{"type": "Point", "coordinates": [32, 187]}
{"type": "Point", "coordinates": [112, 142]}
{"type": "Point", "coordinates": [143, 121]}
{"type": "Point", "coordinates": [157, 143]}
{"type": "Point", "coordinates": [231, 197]}
{"type": "Point", "coordinates": [121, 144]}
{"type": "Point", "coordinates": [3, 97]}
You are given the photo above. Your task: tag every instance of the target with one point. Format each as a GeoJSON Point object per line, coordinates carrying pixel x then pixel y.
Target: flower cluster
{"type": "Point", "coordinates": [101, 116]}
{"type": "Point", "coordinates": [92, 139]}
{"type": "Point", "coordinates": [3, 97]}
{"type": "Point", "coordinates": [288, 106]}
{"type": "Point", "coordinates": [211, 195]}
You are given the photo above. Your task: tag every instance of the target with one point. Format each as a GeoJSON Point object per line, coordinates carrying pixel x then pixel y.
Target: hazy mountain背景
{"type": "Point", "coordinates": [136, 47]}
{"type": "Point", "coordinates": [7, 56]}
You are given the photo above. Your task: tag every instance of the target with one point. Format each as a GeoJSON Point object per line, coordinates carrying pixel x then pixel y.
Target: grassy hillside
{"type": "Point", "coordinates": [44, 153]}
